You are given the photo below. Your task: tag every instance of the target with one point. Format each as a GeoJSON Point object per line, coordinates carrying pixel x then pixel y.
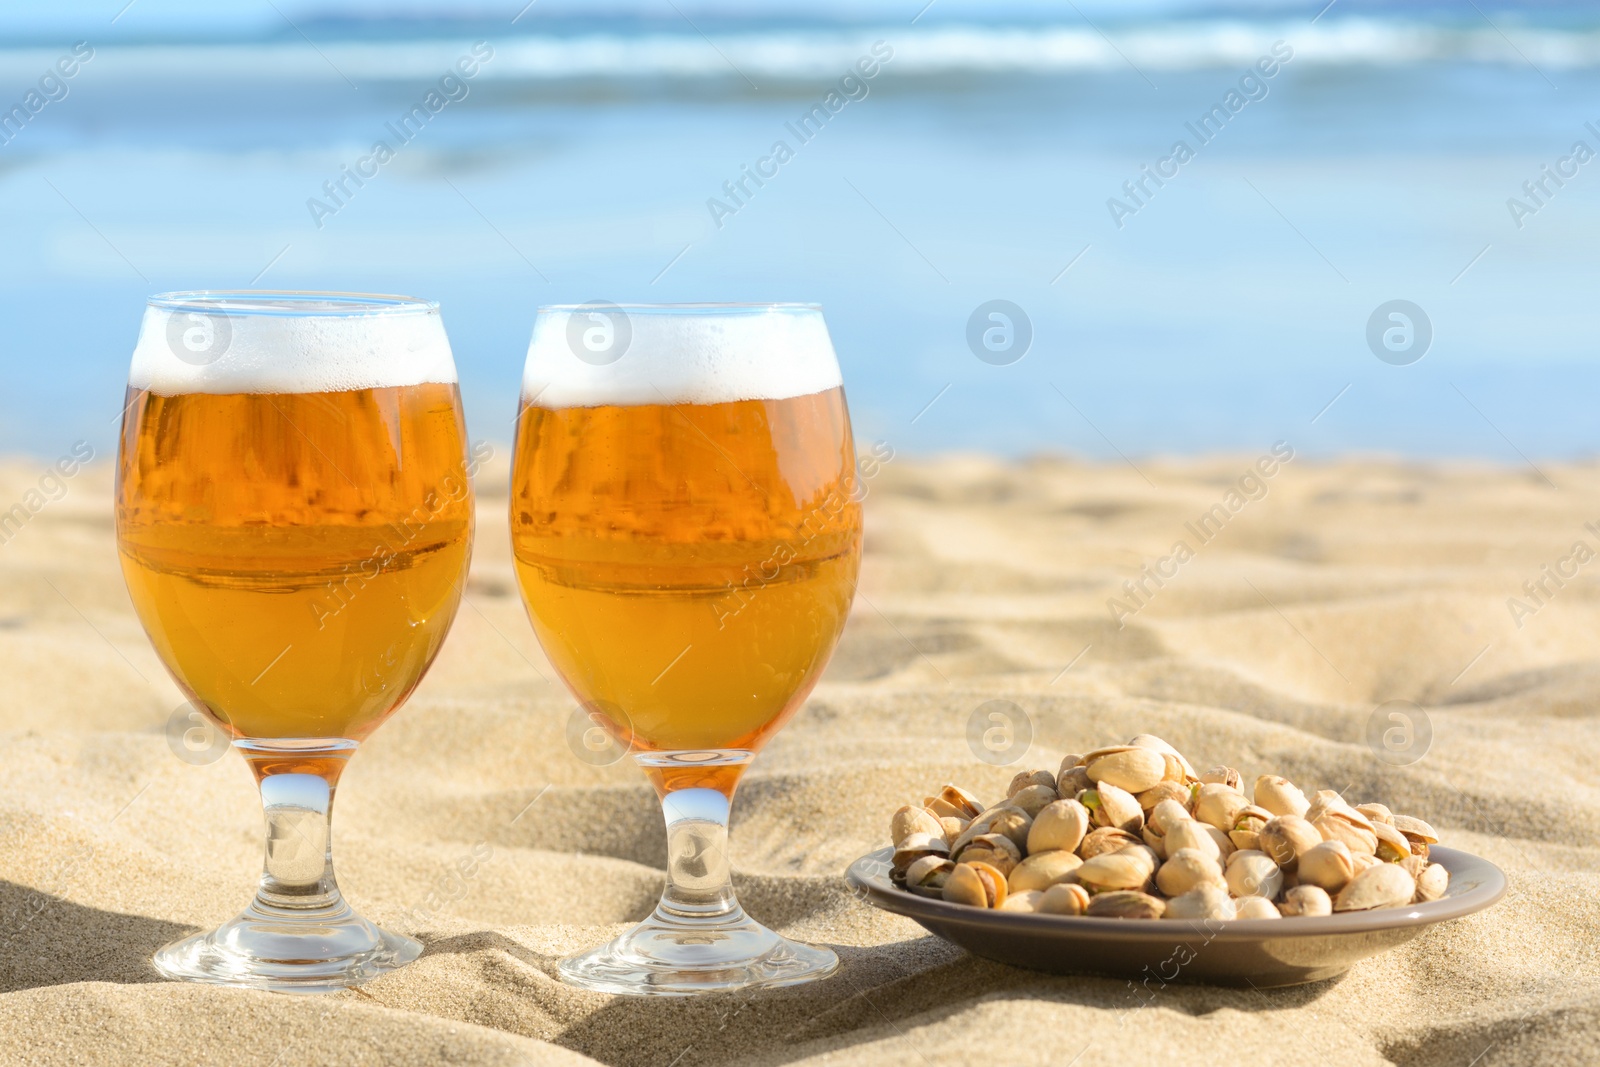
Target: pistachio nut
{"type": "Point", "coordinates": [1305, 900]}
{"type": "Point", "coordinates": [1127, 869]}
{"type": "Point", "coordinates": [1431, 883]}
{"type": "Point", "coordinates": [1252, 874]}
{"type": "Point", "coordinates": [976, 885]}
{"type": "Point", "coordinates": [1202, 902]}
{"type": "Point", "coordinates": [1392, 844]}
{"type": "Point", "coordinates": [1073, 778]}
{"type": "Point", "coordinates": [1154, 742]}
{"type": "Point", "coordinates": [1279, 795]}
{"type": "Point", "coordinates": [1218, 805]}
{"type": "Point", "coordinates": [911, 819]}
{"type": "Point", "coordinates": [1188, 869]}
{"type": "Point", "coordinates": [1064, 898]}
{"type": "Point", "coordinates": [1060, 825]}
{"type": "Point", "coordinates": [915, 847]}
{"type": "Point", "coordinates": [1023, 779]}
{"type": "Point", "coordinates": [1383, 885]}
{"type": "Point", "coordinates": [1349, 826]}
{"type": "Point", "coordinates": [1165, 789]}
{"type": "Point", "coordinates": [997, 850]}
{"type": "Point", "coordinates": [1376, 813]}
{"type": "Point", "coordinates": [1223, 776]}
{"type": "Point", "coordinates": [927, 875]}
{"type": "Point", "coordinates": [1105, 839]}
{"type": "Point", "coordinates": [1127, 767]}
{"type": "Point", "coordinates": [1329, 866]}
{"type": "Point", "coordinates": [1111, 806]}
{"type": "Point", "coordinates": [1193, 835]}
{"type": "Point", "coordinates": [1042, 870]}
{"type": "Point", "coordinates": [1025, 901]}
{"type": "Point", "coordinates": [1286, 837]}
{"type": "Point", "coordinates": [1126, 904]}
{"type": "Point", "coordinates": [1034, 797]}
{"type": "Point", "coordinates": [1256, 908]}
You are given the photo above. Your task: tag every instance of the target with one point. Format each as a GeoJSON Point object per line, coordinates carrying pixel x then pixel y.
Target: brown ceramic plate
{"type": "Point", "coordinates": [1259, 952]}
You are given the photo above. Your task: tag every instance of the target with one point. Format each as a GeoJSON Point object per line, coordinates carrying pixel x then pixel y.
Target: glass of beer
{"type": "Point", "coordinates": [687, 539]}
{"type": "Point", "coordinates": [294, 519]}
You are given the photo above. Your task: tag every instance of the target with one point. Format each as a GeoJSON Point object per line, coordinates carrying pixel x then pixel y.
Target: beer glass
{"type": "Point", "coordinates": [294, 518]}
{"type": "Point", "coordinates": [686, 540]}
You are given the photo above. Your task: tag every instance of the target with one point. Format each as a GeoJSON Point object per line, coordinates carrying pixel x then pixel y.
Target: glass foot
{"type": "Point", "coordinates": [319, 951]}
{"type": "Point", "coordinates": [668, 957]}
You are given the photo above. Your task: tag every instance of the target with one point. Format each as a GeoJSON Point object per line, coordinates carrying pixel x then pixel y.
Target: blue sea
{"type": "Point", "coordinates": [1224, 295]}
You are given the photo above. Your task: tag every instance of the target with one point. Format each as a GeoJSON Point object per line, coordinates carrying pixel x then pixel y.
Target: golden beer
{"type": "Point", "coordinates": [688, 565]}
{"type": "Point", "coordinates": [296, 557]}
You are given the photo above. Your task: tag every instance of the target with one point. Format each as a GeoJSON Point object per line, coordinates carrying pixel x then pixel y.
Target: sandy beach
{"type": "Point", "coordinates": [468, 823]}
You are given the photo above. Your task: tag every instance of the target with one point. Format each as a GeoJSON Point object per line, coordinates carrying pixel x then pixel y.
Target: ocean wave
{"type": "Point", "coordinates": [804, 55]}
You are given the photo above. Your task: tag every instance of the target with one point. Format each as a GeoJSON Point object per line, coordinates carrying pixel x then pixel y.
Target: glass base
{"type": "Point", "coordinates": [318, 951]}
{"type": "Point", "coordinates": [668, 957]}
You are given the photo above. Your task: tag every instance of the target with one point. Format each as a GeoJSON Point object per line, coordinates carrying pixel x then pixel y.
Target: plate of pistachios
{"type": "Point", "coordinates": [1128, 862]}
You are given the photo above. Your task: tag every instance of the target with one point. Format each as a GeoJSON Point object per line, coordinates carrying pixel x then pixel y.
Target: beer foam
{"type": "Point", "coordinates": [602, 354]}
{"type": "Point", "coordinates": [283, 343]}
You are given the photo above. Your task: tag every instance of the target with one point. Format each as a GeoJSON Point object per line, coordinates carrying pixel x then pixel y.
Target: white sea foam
{"type": "Point", "coordinates": [621, 356]}
{"type": "Point", "coordinates": [215, 351]}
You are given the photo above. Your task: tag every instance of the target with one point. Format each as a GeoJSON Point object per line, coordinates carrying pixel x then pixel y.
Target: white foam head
{"type": "Point", "coordinates": [594, 354]}
{"type": "Point", "coordinates": [270, 342]}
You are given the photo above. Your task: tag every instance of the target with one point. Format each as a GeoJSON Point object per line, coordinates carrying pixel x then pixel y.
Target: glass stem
{"type": "Point", "coordinates": [297, 800]}
{"type": "Point", "coordinates": [699, 880]}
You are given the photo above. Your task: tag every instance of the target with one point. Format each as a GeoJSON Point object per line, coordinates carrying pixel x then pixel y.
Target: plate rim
{"type": "Point", "coordinates": [1490, 889]}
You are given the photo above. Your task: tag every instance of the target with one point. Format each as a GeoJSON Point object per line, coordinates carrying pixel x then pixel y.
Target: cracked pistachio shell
{"type": "Point", "coordinates": [1306, 900]}
{"type": "Point", "coordinates": [1042, 870]}
{"type": "Point", "coordinates": [1188, 869]}
{"type": "Point", "coordinates": [1393, 846]}
{"type": "Point", "coordinates": [912, 819]}
{"type": "Point", "coordinates": [1349, 826]}
{"type": "Point", "coordinates": [1064, 898]}
{"type": "Point", "coordinates": [1329, 866]}
{"type": "Point", "coordinates": [1431, 883]}
{"type": "Point", "coordinates": [1034, 797]}
{"type": "Point", "coordinates": [1245, 840]}
{"type": "Point", "coordinates": [1219, 806]}
{"type": "Point", "coordinates": [1129, 768]}
{"type": "Point", "coordinates": [1024, 779]}
{"type": "Point", "coordinates": [976, 885]}
{"type": "Point", "coordinates": [1126, 904]}
{"type": "Point", "coordinates": [1223, 776]}
{"type": "Point", "coordinates": [1060, 825]}
{"type": "Point", "coordinates": [1253, 874]}
{"type": "Point", "coordinates": [1000, 819]}
{"type": "Point", "coordinates": [1279, 796]}
{"type": "Point", "coordinates": [964, 803]}
{"type": "Point", "coordinates": [926, 877]}
{"type": "Point", "coordinates": [1073, 778]}
{"type": "Point", "coordinates": [1417, 832]}
{"type": "Point", "coordinates": [953, 827]}
{"type": "Point", "coordinates": [1128, 869]}
{"type": "Point", "coordinates": [1105, 839]}
{"type": "Point", "coordinates": [1026, 901]}
{"type": "Point", "coordinates": [1256, 908]}
{"type": "Point", "coordinates": [1376, 813]}
{"type": "Point", "coordinates": [1384, 885]}
{"type": "Point", "coordinates": [1154, 742]}
{"type": "Point", "coordinates": [1286, 837]}
{"type": "Point", "coordinates": [1202, 902]}
{"type": "Point", "coordinates": [1163, 790]}
{"type": "Point", "coordinates": [997, 850]}
{"type": "Point", "coordinates": [1111, 806]}
{"type": "Point", "coordinates": [915, 847]}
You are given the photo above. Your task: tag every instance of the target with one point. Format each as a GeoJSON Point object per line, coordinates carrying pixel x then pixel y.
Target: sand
{"type": "Point", "coordinates": [1346, 585]}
